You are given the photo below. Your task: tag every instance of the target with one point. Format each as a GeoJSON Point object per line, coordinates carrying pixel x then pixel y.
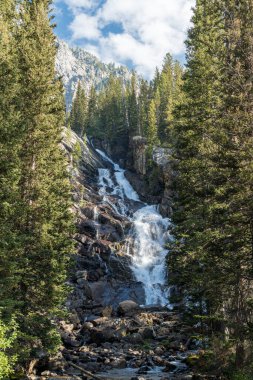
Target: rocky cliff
{"type": "Point", "coordinates": [151, 178]}
{"type": "Point", "coordinates": [74, 64]}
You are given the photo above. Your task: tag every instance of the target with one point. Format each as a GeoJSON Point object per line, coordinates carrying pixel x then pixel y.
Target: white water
{"type": "Point", "coordinates": [149, 233]}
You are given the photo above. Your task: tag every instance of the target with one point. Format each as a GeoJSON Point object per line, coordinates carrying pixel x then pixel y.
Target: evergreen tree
{"type": "Point", "coordinates": [92, 112]}
{"type": "Point", "coordinates": [211, 255]}
{"type": "Point", "coordinates": [175, 99]}
{"type": "Point", "coordinates": [166, 93]}
{"type": "Point", "coordinates": [110, 115]}
{"type": "Point", "coordinates": [78, 114]}
{"type": "Point", "coordinates": [45, 222]}
{"type": "Point", "coordinates": [132, 106]}
{"type": "Point", "coordinates": [152, 126]}
{"type": "Point", "coordinates": [143, 107]}
{"type": "Point", "coordinates": [10, 136]}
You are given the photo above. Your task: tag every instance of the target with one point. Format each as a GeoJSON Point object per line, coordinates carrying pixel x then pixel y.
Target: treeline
{"type": "Point", "coordinates": [139, 108]}
{"type": "Point", "coordinates": [211, 257]}
{"type": "Point", "coordinates": [35, 194]}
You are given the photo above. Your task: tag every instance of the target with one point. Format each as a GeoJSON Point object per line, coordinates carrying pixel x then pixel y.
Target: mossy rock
{"type": "Point", "coordinates": [193, 360]}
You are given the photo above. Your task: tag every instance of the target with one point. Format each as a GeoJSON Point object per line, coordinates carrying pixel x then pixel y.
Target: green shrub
{"type": "Point", "coordinates": [8, 335]}
{"type": "Point", "coordinates": [242, 375]}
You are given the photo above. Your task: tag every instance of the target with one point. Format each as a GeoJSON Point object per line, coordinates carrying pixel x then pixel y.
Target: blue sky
{"type": "Point", "coordinates": [137, 33]}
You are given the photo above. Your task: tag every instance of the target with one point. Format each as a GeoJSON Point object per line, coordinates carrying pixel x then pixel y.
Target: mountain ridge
{"type": "Point", "coordinates": [75, 64]}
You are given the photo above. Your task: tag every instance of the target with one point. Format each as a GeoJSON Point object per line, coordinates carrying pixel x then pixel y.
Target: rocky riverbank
{"type": "Point", "coordinates": [133, 343]}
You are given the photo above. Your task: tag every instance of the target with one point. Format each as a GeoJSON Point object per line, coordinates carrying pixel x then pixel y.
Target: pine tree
{"type": "Point", "coordinates": [166, 93]}
{"type": "Point", "coordinates": [143, 107]}
{"type": "Point", "coordinates": [110, 115]}
{"type": "Point", "coordinates": [152, 127]}
{"type": "Point", "coordinates": [92, 112]}
{"type": "Point", "coordinates": [9, 178]}
{"type": "Point", "coordinates": [132, 106]}
{"type": "Point", "coordinates": [45, 221]}
{"type": "Point", "coordinates": [193, 146]}
{"type": "Point", "coordinates": [211, 256]}
{"type": "Point", "coordinates": [233, 196]}
{"type": "Point", "coordinates": [78, 114]}
{"type": "Point", "coordinates": [174, 100]}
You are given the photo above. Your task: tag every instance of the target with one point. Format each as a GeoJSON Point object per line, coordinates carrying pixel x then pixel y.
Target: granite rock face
{"type": "Point", "coordinates": [74, 64]}
{"type": "Point", "coordinates": [102, 275]}
{"type": "Point", "coordinates": [163, 160]}
{"type": "Point", "coordinates": [153, 185]}
{"type": "Point", "coordinates": [139, 149]}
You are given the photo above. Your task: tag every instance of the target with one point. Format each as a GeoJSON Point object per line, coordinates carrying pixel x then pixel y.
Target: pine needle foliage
{"type": "Point", "coordinates": [211, 256]}
{"type": "Point", "coordinates": [36, 221]}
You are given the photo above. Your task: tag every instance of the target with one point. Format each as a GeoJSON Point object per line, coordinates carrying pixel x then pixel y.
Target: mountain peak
{"type": "Point", "coordinates": [75, 64]}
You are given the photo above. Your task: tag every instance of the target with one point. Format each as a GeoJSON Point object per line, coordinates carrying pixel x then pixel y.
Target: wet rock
{"type": "Point", "coordinates": [170, 367]}
{"type": "Point", "coordinates": [128, 308]}
{"type": "Point", "coordinates": [100, 336]}
{"type": "Point", "coordinates": [88, 227]}
{"type": "Point", "coordinates": [158, 360]}
{"type": "Point", "coordinates": [87, 326]}
{"type": "Point", "coordinates": [107, 311]}
{"type": "Point", "coordinates": [82, 274]}
{"type": "Point", "coordinates": [109, 291]}
{"type": "Point", "coordinates": [70, 341]}
{"type": "Point", "coordinates": [120, 268]}
{"type": "Point", "coordinates": [84, 285]}
{"type": "Point", "coordinates": [135, 339]}
{"type": "Point", "coordinates": [102, 247]}
{"type": "Point", "coordinates": [103, 322]}
{"type": "Point", "coordinates": [74, 318]}
{"type": "Point", "coordinates": [92, 366]}
{"type": "Point", "coordinates": [159, 350]}
{"type": "Point", "coordinates": [143, 370]}
{"type": "Point", "coordinates": [147, 333]}
{"type": "Point", "coordinates": [119, 363]}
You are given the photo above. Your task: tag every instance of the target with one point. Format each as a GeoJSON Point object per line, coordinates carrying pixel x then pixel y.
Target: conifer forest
{"type": "Point", "coordinates": [126, 199]}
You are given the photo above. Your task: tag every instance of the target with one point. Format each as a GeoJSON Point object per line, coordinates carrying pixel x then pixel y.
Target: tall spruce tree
{"type": "Point", "coordinates": [45, 221]}
{"type": "Point", "coordinates": [10, 136]}
{"type": "Point", "coordinates": [9, 149]}
{"type": "Point", "coordinates": [210, 256]}
{"type": "Point", "coordinates": [78, 114]}
{"type": "Point", "coordinates": [152, 132]}
{"type": "Point", "coordinates": [132, 106]}
{"type": "Point", "coordinates": [92, 112]}
{"type": "Point", "coordinates": [166, 93]}
{"type": "Point", "coordinates": [143, 107]}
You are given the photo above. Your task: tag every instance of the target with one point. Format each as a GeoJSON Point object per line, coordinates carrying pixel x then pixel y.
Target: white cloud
{"type": "Point", "coordinates": [86, 4]}
{"type": "Point", "coordinates": [85, 26]}
{"type": "Point", "coordinates": [151, 28]}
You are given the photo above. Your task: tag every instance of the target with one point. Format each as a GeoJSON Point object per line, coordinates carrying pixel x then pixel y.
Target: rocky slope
{"type": "Point", "coordinates": [107, 334]}
{"type": "Point", "coordinates": [74, 64]}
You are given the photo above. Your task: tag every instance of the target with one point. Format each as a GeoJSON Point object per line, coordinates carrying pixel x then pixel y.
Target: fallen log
{"type": "Point", "coordinates": [84, 371]}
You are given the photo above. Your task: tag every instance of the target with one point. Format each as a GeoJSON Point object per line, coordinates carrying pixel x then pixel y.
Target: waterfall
{"type": "Point", "coordinates": [148, 236]}
{"type": "Point", "coordinates": [95, 217]}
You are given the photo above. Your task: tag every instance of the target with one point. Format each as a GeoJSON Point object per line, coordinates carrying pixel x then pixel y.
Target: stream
{"type": "Point", "coordinates": [148, 236]}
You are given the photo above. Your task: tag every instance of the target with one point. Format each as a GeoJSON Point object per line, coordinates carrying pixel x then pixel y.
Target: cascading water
{"type": "Point", "coordinates": [149, 233]}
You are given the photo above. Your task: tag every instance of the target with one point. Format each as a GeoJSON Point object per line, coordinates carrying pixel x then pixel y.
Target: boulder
{"type": "Point", "coordinates": [135, 338]}
{"type": "Point", "coordinates": [107, 311]}
{"type": "Point", "coordinates": [128, 308]}
{"type": "Point", "coordinates": [100, 336]}
{"type": "Point", "coordinates": [147, 333]}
